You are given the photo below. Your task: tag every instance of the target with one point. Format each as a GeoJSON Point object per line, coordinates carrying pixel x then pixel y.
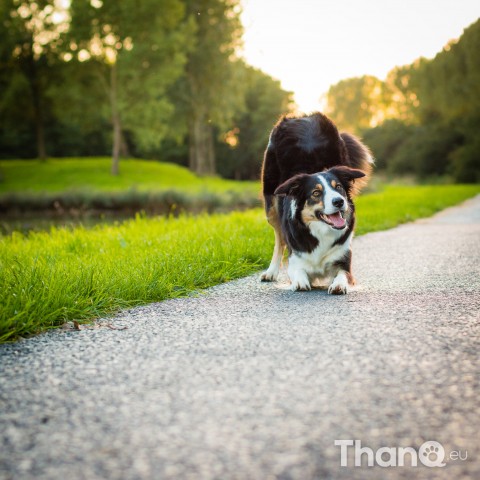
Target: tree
{"type": "Point", "coordinates": [80, 114]}
{"type": "Point", "coordinates": [401, 98]}
{"type": "Point", "coordinates": [434, 104]}
{"type": "Point", "coordinates": [31, 35]}
{"type": "Point", "coordinates": [241, 148]}
{"type": "Point", "coordinates": [449, 85]}
{"type": "Point", "coordinates": [210, 92]}
{"type": "Point", "coordinates": [386, 140]}
{"type": "Point", "coordinates": [357, 103]}
{"type": "Point", "coordinates": [136, 50]}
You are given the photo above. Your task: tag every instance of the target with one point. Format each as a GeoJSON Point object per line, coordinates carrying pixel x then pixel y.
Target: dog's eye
{"type": "Point", "coordinates": [338, 187]}
{"type": "Point", "coordinates": [316, 193]}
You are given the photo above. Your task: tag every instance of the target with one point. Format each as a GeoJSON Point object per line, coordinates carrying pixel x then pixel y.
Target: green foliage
{"type": "Point", "coordinates": [155, 79]}
{"type": "Point", "coordinates": [31, 36]}
{"type": "Point", "coordinates": [421, 150]}
{"type": "Point", "coordinates": [465, 161]}
{"type": "Point", "coordinates": [386, 140]}
{"type": "Point", "coordinates": [210, 91]}
{"type": "Point", "coordinates": [49, 278]}
{"type": "Point", "coordinates": [448, 87]}
{"type": "Point", "coordinates": [356, 103]}
{"type": "Point", "coordinates": [210, 71]}
{"type": "Point", "coordinates": [241, 150]}
{"type": "Point", "coordinates": [431, 110]}
{"type": "Point", "coordinates": [135, 51]}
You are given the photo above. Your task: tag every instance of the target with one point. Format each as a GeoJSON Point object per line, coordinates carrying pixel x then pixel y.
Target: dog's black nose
{"type": "Point", "coordinates": [338, 202]}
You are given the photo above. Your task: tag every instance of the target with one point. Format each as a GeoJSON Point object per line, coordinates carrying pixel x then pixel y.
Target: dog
{"type": "Point", "coordinates": [310, 174]}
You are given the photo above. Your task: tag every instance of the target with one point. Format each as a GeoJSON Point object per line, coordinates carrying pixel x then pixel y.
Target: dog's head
{"type": "Point", "coordinates": [321, 197]}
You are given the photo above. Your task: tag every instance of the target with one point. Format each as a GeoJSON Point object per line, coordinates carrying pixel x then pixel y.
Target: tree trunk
{"type": "Point", "coordinates": [39, 128]}
{"type": "Point", "coordinates": [37, 100]}
{"type": "Point", "coordinates": [116, 123]}
{"type": "Point", "coordinates": [124, 150]}
{"type": "Point", "coordinates": [115, 170]}
{"type": "Point", "coordinates": [201, 146]}
{"type": "Point", "coordinates": [210, 150]}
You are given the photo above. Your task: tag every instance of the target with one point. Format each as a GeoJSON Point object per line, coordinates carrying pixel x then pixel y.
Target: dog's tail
{"type": "Point", "coordinates": [360, 157]}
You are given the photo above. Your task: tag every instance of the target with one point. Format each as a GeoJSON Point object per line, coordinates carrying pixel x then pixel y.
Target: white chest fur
{"type": "Point", "coordinates": [303, 267]}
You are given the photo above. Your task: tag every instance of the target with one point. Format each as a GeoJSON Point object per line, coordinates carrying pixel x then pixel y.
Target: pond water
{"type": "Point", "coordinates": [44, 222]}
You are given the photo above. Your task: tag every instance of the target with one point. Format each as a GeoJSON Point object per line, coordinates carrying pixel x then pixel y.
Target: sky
{"type": "Point", "coordinates": [311, 44]}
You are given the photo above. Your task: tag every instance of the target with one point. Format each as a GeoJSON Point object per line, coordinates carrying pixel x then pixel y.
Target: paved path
{"type": "Point", "coordinates": [251, 381]}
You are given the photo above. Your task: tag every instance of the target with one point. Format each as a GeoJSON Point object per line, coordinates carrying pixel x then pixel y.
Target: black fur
{"type": "Point", "coordinates": [287, 156]}
{"type": "Point", "coordinates": [296, 234]}
{"type": "Point", "coordinates": [345, 263]}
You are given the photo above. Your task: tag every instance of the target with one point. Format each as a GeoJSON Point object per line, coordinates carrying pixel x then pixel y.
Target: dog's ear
{"type": "Point", "coordinates": [290, 186]}
{"type": "Point", "coordinates": [346, 175]}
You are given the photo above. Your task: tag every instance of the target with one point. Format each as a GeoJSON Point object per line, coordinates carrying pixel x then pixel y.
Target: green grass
{"type": "Point", "coordinates": [51, 277]}
{"type": "Point", "coordinates": [397, 204]}
{"type": "Point", "coordinates": [59, 175]}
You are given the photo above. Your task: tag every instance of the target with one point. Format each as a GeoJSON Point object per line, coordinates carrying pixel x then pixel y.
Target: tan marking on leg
{"type": "Point", "coordinates": [272, 272]}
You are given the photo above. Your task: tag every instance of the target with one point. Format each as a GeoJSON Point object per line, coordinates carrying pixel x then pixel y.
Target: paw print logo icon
{"type": "Point", "coordinates": [432, 454]}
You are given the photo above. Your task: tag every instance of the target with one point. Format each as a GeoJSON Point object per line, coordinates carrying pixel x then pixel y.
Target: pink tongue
{"type": "Point", "coordinates": [337, 220]}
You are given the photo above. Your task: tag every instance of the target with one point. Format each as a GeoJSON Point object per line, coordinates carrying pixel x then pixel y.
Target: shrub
{"type": "Point", "coordinates": [386, 140]}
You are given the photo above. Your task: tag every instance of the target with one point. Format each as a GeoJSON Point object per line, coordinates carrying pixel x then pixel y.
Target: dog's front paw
{"type": "Point", "coordinates": [297, 275]}
{"type": "Point", "coordinates": [337, 289]}
{"type": "Point", "coordinates": [339, 286]}
{"type": "Point", "coordinates": [269, 275]}
{"type": "Point", "coordinates": [300, 284]}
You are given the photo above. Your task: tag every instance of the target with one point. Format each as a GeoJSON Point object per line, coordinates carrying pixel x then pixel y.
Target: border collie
{"type": "Point", "coordinates": [310, 174]}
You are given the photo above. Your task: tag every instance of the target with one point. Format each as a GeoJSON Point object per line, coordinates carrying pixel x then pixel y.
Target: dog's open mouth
{"type": "Point", "coordinates": [335, 220]}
